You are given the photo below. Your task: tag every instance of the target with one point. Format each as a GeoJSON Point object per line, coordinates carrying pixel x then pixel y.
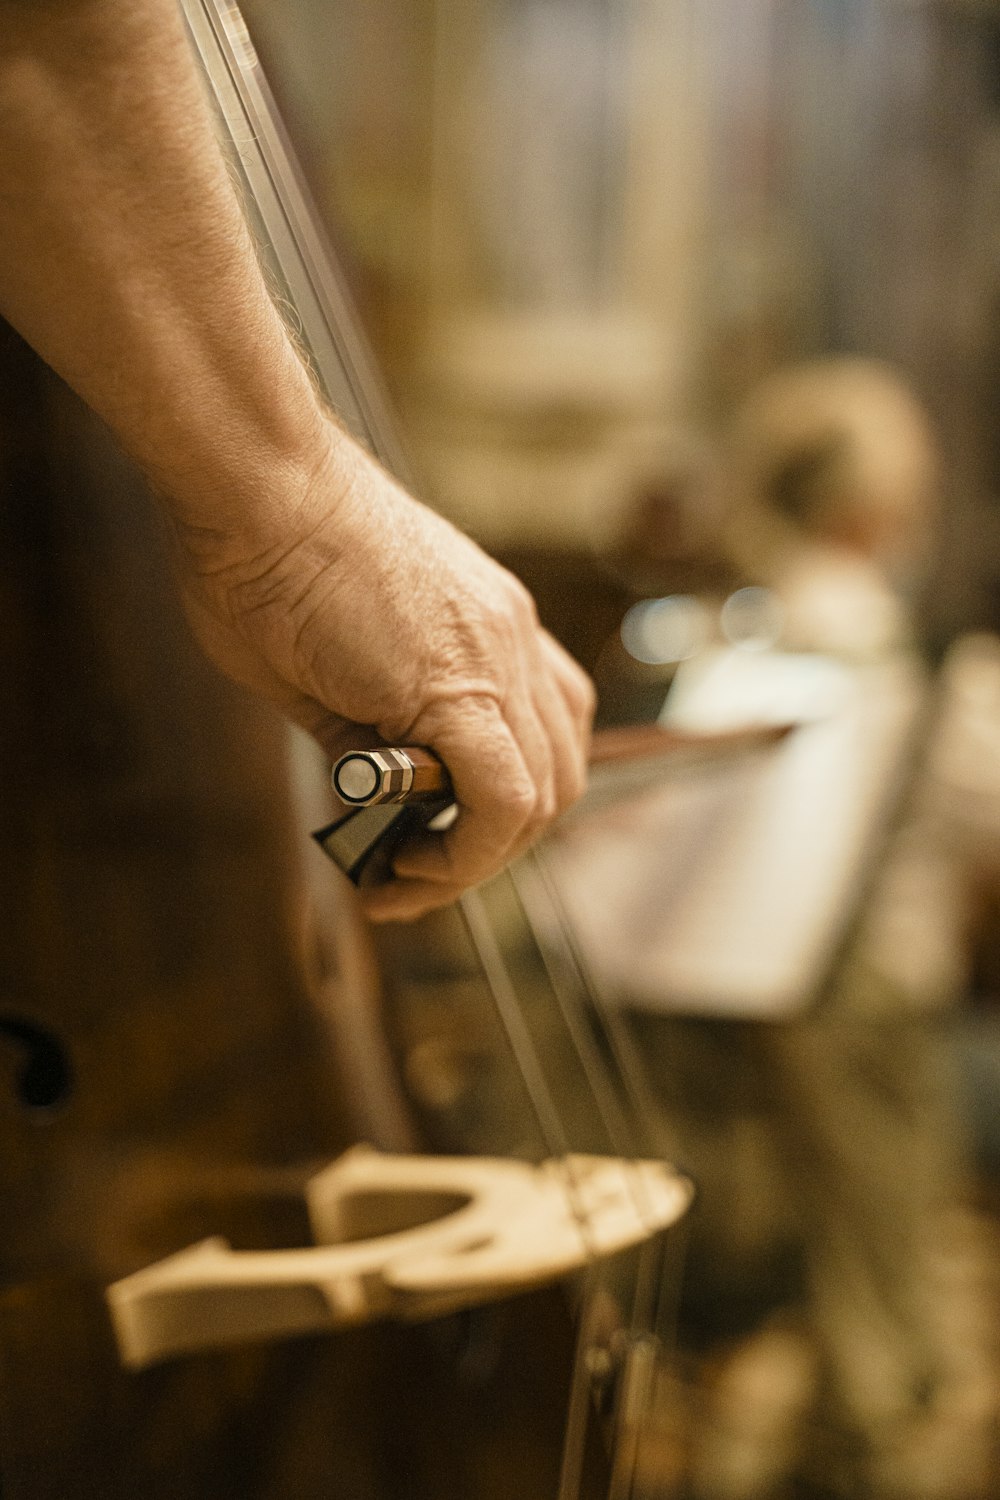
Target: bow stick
{"type": "Point", "coordinates": [391, 793]}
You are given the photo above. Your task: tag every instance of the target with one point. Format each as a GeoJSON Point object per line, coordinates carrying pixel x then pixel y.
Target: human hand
{"type": "Point", "coordinates": [356, 609]}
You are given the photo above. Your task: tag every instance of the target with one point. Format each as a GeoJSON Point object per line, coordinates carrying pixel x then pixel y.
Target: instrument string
{"type": "Point", "coordinates": [509, 1006]}
{"type": "Point", "coordinates": [503, 993]}
{"type": "Point", "coordinates": [628, 1131]}
{"type": "Point", "coordinates": [660, 1261]}
{"type": "Point", "coordinates": [618, 1128]}
{"type": "Point", "coordinates": [330, 333]}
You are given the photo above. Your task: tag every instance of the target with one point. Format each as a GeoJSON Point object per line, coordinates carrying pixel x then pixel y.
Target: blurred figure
{"type": "Point", "coordinates": [821, 1125]}
{"type": "Point", "coordinates": [837, 474]}
{"type": "Point", "coordinates": [835, 477]}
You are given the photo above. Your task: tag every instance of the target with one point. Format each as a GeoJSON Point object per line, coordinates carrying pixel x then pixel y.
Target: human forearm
{"type": "Point", "coordinates": [126, 262]}
{"type": "Point", "coordinates": [309, 575]}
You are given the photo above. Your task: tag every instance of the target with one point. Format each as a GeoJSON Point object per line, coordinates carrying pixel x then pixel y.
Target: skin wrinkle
{"type": "Point", "coordinates": [266, 584]}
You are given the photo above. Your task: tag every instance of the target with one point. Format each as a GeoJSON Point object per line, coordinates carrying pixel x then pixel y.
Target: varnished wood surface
{"type": "Point", "coordinates": [152, 935]}
{"type": "Point", "coordinates": [149, 932]}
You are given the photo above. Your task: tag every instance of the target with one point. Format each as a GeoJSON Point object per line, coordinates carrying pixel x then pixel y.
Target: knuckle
{"type": "Point", "coordinates": [519, 603]}
{"type": "Point", "coordinates": [587, 695]}
{"type": "Point", "coordinates": [547, 807]}
{"type": "Point", "coordinates": [518, 800]}
{"type": "Point", "coordinates": [546, 816]}
{"type": "Point", "coordinates": [580, 691]}
{"type": "Point", "coordinates": [572, 786]}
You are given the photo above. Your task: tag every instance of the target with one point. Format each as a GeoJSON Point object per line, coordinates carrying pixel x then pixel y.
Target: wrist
{"type": "Point", "coordinates": [264, 504]}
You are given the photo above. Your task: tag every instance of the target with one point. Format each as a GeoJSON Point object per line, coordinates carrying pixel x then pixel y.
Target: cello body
{"type": "Point", "coordinates": [168, 1066]}
{"type": "Point", "coordinates": [189, 1013]}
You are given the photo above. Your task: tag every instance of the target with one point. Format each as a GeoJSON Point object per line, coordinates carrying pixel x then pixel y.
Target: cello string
{"type": "Point", "coordinates": [566, 987]}
{"type": "Point", "coordinates": [330, 333]}
{"type": "Point", "coordinates": [328, 324]}
{"type": "Point", "coordinates": [624, 1134]}
{"type": "Point", "coordinates": [655, 1290]}
{"type": "Point", "coordinates": [621, 1138]}
{"type": "Point", "coordinates": [618, 1129]}
{"type": "Point", "coordinates": [579, 1404]}
{"type": "Point", "coordinates": [327, 329]}
{"type": "Point", "coordinates": [663, 1289]}
{"type": "Point", "coordinates": [503, 994]}
{"type": "Point", "coordinates": [568, 980]}
{"type": "Point", "coordinates": [588, 1341]}
{"type": "Point", "coordinates": [627, 1063]}
{"type": "Point", "coordinates": [662, 1259]}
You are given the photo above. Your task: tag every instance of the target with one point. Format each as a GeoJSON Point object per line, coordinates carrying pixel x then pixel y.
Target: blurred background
{"type": "Point", "coordinates": [690, 310]}
{"type": "Point", "coordinates": [580, 231]}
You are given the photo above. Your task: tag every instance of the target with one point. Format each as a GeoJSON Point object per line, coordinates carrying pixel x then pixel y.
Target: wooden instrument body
{"type": "Point", "coordinates": [188, 1023]}
{"type": "Point", "coordinates": [157, 939]}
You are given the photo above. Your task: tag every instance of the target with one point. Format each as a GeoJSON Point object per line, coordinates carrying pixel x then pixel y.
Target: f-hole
{"type": "Point", "coordinates": [43, 1077]}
